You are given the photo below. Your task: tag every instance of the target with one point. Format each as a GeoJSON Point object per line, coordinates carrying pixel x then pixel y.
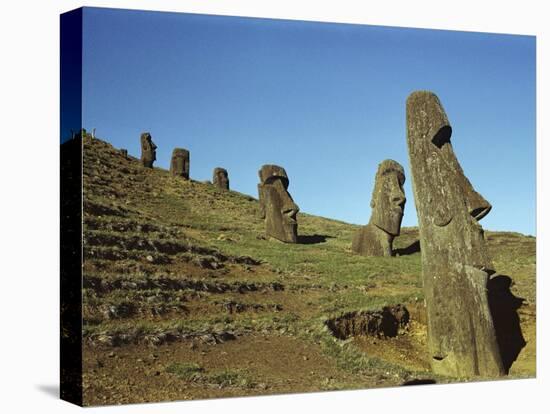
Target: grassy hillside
{"type": "Point", "coordinates": [184, 296]}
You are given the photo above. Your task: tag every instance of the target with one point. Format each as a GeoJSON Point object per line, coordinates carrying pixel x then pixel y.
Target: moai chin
{"type": "Point", "coordinates": [179, 165]}
{"type": "Point", "coordinates": [220, 178]}
{"type": "Point", "coordinates": [387, 203]}
{"type": "Point", "coordinates": [455, 260]}
{"type": "Point", "coordinates": [148, 150]}
{"type": "Point", "coordinates": [276, 204]}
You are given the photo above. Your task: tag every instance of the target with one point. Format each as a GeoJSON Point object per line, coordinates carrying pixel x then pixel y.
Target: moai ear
{"type": "Point", "coordinates": [439, 199]}
{"type": "Point", "coordinates": [261, 199]}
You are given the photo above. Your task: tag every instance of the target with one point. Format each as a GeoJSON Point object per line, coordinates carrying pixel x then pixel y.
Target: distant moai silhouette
{"type": "Point", "coordinates": [220, 178]}
{"type": "Point", "coordinates": [455, 260]}
{"type": "Point", "coordinates": [148, 150]}
{"type": "Point", "coordinates": [124, 152]}
{"type": "Point", "coordinates": [179, 165]}
{"type": "Point", "coordinates": [388, 204]}
{"type": "Point", "coordinates": [276, 204]}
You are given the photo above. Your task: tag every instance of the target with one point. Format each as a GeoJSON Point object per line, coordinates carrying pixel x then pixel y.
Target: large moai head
{"type": "Point", "coordinates": [220, 178]}
{"type": "Point", "coordinates": [455, 260]}
{"type": "Point", "coordinates": [148, 150]}
{"type": "Point", "coordinates": [388, 198]}
{"type": "Point", "coordinates": [179, 164]}
{"type": "Point", "coordinates": [276, 204]}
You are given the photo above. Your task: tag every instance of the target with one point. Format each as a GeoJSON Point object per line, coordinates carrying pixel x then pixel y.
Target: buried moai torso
{"type": "Point", "coordinates": [455, 260]}
{"type": "Point", "coordinates": [220, 178]}
{"type": "Point", "coordinates": [388, 203]}
{"type": "Point", "coordinates": [276, 205]}
{"type": "Point", "coordinates": [179, 164]}
{"type": "Point", "coordinates": [148, 150]}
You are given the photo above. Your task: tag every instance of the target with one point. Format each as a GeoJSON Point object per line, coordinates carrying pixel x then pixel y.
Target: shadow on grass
{"type": "Point", "coordinates": [504, 305]}
{"type": "Point", "coordinates": [412, 248]}
{"type": "Point", "coordinates": [313, 239]}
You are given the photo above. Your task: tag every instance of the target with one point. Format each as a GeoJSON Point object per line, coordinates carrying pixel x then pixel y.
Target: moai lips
{"type": "Point", "coordinates": [455, 260]}
{"type": "Point", "coordinates": [148, 150]}
{"type": "Point", "coordinates": [388, 204]}
{"type": "Point", "coordinates": [276, 204]}
{"type": "Point", "coordinates": [220, 178]}
{"type": "Point", "coordinates": [179, 164]}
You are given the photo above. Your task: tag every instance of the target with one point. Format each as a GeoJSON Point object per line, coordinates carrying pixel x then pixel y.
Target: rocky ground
{"type": "Point", "coordinates": [185, 298]}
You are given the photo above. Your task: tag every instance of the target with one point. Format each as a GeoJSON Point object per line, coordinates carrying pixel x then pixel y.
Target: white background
{"type": "Point", "coordinates": [29, 223]}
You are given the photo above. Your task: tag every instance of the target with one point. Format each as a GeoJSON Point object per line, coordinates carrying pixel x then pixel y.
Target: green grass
{"type": "Point", "coordinates": [222, 378]}
{"type": "Point", "coordinates": [186, 371]}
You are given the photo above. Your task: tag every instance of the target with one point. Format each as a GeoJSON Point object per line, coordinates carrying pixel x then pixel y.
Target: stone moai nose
{"type": "Point", "coordinates": [397, 195]}
{"type": "Point", "coordinates": [478, 207]}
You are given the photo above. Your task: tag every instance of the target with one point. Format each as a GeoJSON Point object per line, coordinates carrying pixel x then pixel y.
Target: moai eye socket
{"type": "Point", "coordinates": [442, 137]}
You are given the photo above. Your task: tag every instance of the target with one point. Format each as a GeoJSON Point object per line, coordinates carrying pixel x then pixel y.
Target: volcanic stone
{"type": "Point", "coordinates": [179, 165]}
{"type": "Point", "coordinates": [455, 260]}
{"type": "Point", "coordinates": [387, 203]}
{"type": "Point", "coordinates": [276, 204]}
{"type": "Point", "coordinates": [148, 150]}
{"type": "Point", "coordinates": [220, 178]}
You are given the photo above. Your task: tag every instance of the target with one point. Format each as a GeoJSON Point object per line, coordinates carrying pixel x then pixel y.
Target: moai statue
{"type": "Point", "coordinates": [124, 152]}
{"type": "Point", "coordinates": [276, 205]}
{"type": "Point", "coordinates": [220, 178]}
{"type": "Point", "coordinates": [148, 150]}
{"type": "Point", "coordinates": [455, 260]}
{"type": "Point", "coordinates": [179, 165]}
{"type": "Point", "coordinates": [387, 203]}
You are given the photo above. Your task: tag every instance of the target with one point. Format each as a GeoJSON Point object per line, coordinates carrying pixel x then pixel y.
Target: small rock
{"type": "Point", "coordinates": [149, 258]}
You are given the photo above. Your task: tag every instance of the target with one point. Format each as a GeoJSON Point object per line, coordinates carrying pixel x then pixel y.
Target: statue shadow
{"type": "Point", "coordinates": [313, 239]}
{"type": "Point", "coordinates": [412, 248]}
{"type": "Point", "coordinates": [503, 306]}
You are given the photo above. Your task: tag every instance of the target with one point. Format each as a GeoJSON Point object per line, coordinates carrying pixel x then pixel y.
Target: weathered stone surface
{"type": "Point", "coordinates": [179, 165]}
{"type": "Point", "coordinates": [220, 178]}
{"type": "Point", "coordinates": [387, 203]}
{"type": "Point", "coordinates": [276, 204]}
{"type": "Point", "coordinates": [455, 260]}
{"type": "Point", "coordinates": [148, 150]}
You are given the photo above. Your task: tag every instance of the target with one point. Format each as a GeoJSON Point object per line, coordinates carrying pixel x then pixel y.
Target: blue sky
{"type": "Point", "coordinates": [325, 101]}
